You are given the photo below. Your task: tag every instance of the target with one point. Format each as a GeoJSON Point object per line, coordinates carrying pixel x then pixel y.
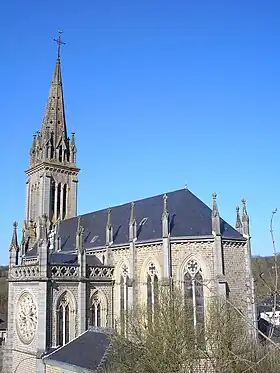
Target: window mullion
{"type": "Point", "coordinates": [194, 303]}
{"type": "Point", "coordinates": [63, 326]}
{"type": "Point", "coordinates": [95, 314]}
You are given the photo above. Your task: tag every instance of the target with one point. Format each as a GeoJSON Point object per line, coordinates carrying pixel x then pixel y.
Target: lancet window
{"type": "Point", "coordinates": [98, 310]}
{"type": "Point", "coordinates": [152, 291]}
{"type": "Point", "coordinates": [95, 311]}
{"type": "Point", "coordinates": [193, 291]}
{"type": "Point", "coordinates": [64, 314]}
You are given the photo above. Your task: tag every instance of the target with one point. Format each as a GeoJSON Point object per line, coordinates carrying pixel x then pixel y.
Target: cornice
{"type": "Point", "coordinates": [53, 167]}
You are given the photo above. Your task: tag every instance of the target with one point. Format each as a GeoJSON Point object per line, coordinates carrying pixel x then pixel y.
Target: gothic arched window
{"type": "Point", "coordinates": [98, 310]}
{"type": "Point", "coordinates": [64, 312]}
{"type": "Point", "coordinates": [152, 291]}
{"type": "Point", "coordinates": [193, 291]}
{"type": "Point", "coordinates": [123, 297]}
{"type": "Point", "coordinates": [95, 311]}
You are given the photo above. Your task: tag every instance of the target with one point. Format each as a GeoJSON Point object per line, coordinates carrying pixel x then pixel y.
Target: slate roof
{"type": "Point", "coordinates": [88, 351]}
{"type": "Point", "coordinates": [188, 216]}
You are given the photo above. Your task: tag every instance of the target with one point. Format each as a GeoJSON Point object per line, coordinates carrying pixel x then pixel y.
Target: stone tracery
{"type": "Point", "coordinates": [27, 317]}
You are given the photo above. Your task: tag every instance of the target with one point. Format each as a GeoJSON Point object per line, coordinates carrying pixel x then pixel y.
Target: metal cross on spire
{"type": "Point", "coordinates": [59, 42]}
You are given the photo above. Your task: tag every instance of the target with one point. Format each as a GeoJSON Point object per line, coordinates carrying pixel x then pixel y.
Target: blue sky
{"type": "Point", "coordinates": [160, 94]}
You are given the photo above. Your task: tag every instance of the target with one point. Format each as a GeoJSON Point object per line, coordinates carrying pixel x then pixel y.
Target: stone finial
{"type": "Point", "coordinates": [109, 218]}
{"type": "Point", "coordinates": [164, 218]}
{"type": "Point", "coordinates": [165, 210]}
{"type": "Point", "coordinates": [245, 219]}
{"type": "Point", "coordinates": [73, 138]}
{"type": "Point", "coordinates": [132, 214]}
{"type": "Point", "coordinates": [245, 216]}
{"type": "Point", "coordinates": [238, 223]}
{"type": "Point", "coordinates": [215, 211]}
{"type": "Point", "coordinates": [132, 223]}
{"type": "Point", "coordinates": [80, 228]}
{"type": "Point", "coordinates": [79, 235]}
{"type": "Point", "coordinates": [216, 227]}
{"type": "Point", "coordinates": [109, 228]}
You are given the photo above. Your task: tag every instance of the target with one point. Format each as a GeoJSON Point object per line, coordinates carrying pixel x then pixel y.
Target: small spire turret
{"type": "Point", "coordinates": [14, 241]}
{"type": "Point", "coordinates": [238, 224]}
{"type": "Point", "coordinates": [14, 248]}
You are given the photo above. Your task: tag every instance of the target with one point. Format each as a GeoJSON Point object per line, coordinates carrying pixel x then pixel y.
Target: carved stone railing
{"type": "Point", "coordinates": [64, 271]}
{"type": "Point", "coordinates": [97, 273]}
{"type": "Point", "coordinates": [25, 272]}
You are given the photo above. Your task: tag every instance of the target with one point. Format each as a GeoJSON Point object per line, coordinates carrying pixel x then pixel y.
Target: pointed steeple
{"type": "Point", "coordinates": [238, 224]}
{"type": "Point", "coordinates": [52, 175]}
{"type": "Point", "coordinates": [51, 142]}
{"type": "Point", "coordinates": [54, 116]}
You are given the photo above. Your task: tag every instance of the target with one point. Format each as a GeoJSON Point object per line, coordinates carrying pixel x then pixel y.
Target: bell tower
{"type": "Point", "coordinates": [51, 186]}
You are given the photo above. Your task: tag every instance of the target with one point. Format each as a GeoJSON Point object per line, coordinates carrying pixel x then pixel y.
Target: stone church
{"type": "Point", "coordinates": [69, 273]}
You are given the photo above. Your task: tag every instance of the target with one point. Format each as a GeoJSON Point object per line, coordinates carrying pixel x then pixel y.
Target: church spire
{"type": "Point", "coordinates": [51, 142]}
{"type": "Point", "coordinates": [54, 116]}
{"type": "Point", "coordinates": [51, 188]}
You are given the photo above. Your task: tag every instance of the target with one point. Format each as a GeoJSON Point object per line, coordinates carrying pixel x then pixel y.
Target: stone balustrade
{"type": "Point", "coordinates": [61, 271]}
{"type": "Point", "coordinates": [25, 272]}
{"type": "Point", "coordinates": [64, 271]}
